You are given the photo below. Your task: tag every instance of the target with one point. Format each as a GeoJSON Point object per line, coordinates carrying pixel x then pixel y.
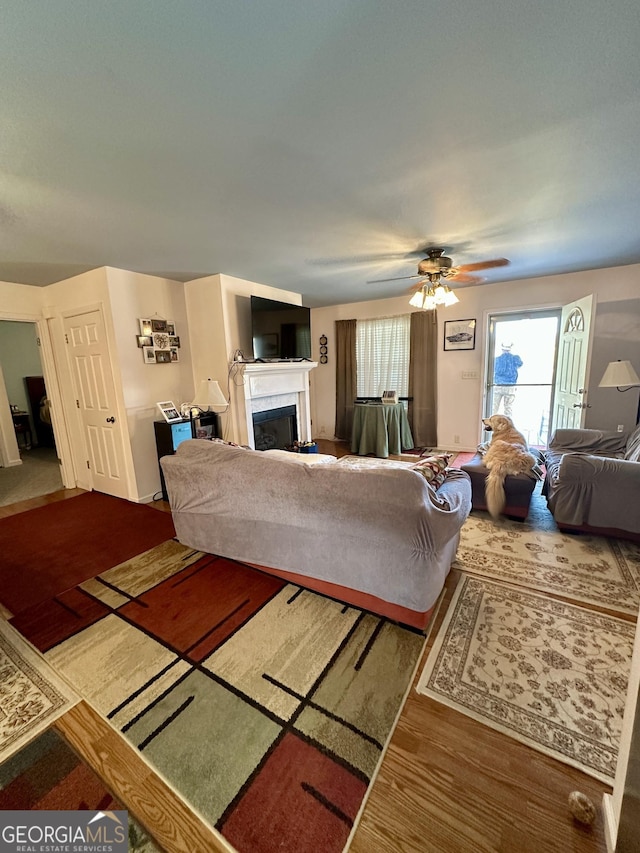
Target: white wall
{"type": "Point", "coordinates": [460, 401]}
{"type": "Point", "coordinates": [133, 296]}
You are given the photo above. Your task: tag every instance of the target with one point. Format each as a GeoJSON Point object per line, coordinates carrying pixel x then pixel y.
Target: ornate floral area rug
{"type": "Point", "coordinates": [31, 694]}
{"type": "Point", "coordinates": [550, 674]}
{"type": "Point", "coordinates": [589, 569]}
{"type": "Point", "coordinates": [267, 707]}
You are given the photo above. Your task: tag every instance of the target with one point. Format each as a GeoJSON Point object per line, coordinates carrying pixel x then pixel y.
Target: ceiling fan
{"type": "Point", "coordinates": [438, 265]}
{"type": "Point", "coordinates": [432, 291]}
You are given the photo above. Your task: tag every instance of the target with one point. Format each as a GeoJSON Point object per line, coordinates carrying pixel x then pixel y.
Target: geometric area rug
{"type": "Point", "coordinates": [548, 673]}
{"type": "Point", "coordinates": [265, 706]}
{"type": "Point", "coordinates": [48, 775]}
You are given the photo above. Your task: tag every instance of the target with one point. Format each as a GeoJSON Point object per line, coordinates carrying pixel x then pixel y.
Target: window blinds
{"type": "Point", "coordinates": [382, 356]}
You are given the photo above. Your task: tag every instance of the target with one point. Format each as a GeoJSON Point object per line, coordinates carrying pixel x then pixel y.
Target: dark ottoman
{"type": "Point", "coordinates": [518, 488]}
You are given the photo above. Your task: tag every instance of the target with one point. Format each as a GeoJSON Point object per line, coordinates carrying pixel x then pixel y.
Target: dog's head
{"type": "Point", "coordinates": [497, 423]}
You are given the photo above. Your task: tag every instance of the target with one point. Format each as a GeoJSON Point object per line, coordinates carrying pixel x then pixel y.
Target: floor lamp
{"type": "Point", "coordinates": [621, 373]}
{"type": "Point", "coordinates": [208, 395]}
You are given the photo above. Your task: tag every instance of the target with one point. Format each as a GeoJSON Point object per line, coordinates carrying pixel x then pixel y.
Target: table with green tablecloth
{"type": "Point", "coordinates": [380, 428]}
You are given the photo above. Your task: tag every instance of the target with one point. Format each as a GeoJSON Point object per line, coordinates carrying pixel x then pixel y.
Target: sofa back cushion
{"type": "Point", "coordinates": [632, 451]}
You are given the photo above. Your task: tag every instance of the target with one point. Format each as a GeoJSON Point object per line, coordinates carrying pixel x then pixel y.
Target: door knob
{"type": "Point", "coordinates": [111, 420]}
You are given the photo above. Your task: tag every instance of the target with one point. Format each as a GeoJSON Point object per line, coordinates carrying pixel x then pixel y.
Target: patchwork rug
{"type": "Point", "coordinates": [266, 706]}
{"type": "Point", "coordinates": [31, 695]}
{"type": "Point", "coordinates": [47, 775]}
{"type": "Point", "coordinates": [589, 569]}
{"type": "Point", "coordinates": [550, 674]}
{"type": "Point", "coordinates": [54, 547]}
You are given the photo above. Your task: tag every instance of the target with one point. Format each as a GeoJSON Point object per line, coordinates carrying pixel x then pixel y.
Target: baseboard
{"type": "Point", "coordinates": [610, 822]}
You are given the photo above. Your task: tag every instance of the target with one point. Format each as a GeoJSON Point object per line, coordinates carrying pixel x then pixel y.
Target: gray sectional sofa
{"type": "Point", "coordinates": [382, 539]}
{"type": "Point", "coordinates": [592, 482]}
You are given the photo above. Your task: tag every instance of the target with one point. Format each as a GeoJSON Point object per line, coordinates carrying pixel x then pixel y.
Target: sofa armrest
{"type": "Point", "coordinates": [598, 441]}
{"type": "Point", "coordinates": [603, 471]}
{"type": "Point", "coordinates": [595, 490]}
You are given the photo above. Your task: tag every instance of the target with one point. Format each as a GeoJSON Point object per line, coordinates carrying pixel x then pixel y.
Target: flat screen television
{"type": "Point", "coordinates": [280, 330]}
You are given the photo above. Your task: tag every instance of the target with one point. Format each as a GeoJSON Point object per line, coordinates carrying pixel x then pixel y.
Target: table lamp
{"type": "Point", "coordinates": [209, 397]}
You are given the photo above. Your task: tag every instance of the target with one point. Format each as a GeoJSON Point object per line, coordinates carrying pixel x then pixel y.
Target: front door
{"type": "Point", "coordinates": [85, 335]}
{"type": "Point", "coordinates": [570, 391]}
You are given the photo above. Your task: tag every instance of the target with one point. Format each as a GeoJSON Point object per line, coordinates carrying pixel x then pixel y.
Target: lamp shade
{"type": "Point", "coordinates": [619, 373]}
{"type": "Point", "coordinates": [209, 394]}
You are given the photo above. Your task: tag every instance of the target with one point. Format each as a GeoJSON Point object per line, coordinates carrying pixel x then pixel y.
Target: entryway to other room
{"type": "Point", "coordinates": [520, 370]}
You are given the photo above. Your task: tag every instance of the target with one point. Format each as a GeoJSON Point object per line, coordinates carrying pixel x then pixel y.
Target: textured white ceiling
{"type": "Point", "coordinates": [283, 141]}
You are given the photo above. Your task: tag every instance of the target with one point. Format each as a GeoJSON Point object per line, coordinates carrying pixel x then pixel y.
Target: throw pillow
{"type": "Point", "coordinates": [433, 468]}
{"type": "Point", "coordinates": [632, 451]}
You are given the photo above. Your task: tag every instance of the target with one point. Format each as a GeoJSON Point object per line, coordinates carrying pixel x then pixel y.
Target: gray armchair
{"type": "Point", "coordinates": [592, 482]}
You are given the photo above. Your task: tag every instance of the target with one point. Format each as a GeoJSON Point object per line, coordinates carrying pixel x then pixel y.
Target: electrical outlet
{"type": "Point", "coordinates": [470, 374]}
{"type": "Point", "coordinates": [620, 427]}
{"type": "Point", "coordinates": [456, 439]}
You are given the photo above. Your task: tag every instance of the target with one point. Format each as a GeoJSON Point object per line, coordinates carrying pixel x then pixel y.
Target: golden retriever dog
{"type": "Point", "coordinates": [507, 454]}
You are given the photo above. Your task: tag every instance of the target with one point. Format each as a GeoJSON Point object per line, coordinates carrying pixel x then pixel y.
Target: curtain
{"type": "Point", "coordinates": [382, 355]}
{"type": "Point", "coordinates": [345, 377]}
{"type": "Point", "coordinates": [423, 385]}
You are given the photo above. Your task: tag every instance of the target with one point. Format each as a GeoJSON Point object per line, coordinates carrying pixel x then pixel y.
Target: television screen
{"type": "Point", "coordinates": [280, 330]}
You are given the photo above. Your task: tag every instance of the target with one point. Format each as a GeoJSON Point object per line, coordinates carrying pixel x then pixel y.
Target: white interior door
{"type": "Point", "coordinates": [570, 390]}
{"type": "Point", "coordinates": [88, 351]}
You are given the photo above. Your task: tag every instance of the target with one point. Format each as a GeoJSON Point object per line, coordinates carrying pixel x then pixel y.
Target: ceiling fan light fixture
{"type": "Point", "coordinates": [417, 300]}
{"type": "Point", "coordinates": [429, 296]}
{"type": "Point", "coordinates": [450, 298]}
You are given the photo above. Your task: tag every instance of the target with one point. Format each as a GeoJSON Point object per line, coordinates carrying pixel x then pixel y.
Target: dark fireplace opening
{"type": "Point", "coordinates": [275, 429]}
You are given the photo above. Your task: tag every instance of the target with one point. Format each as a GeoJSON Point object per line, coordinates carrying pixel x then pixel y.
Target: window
{"type": "Point", "coordinates": [382, 356]}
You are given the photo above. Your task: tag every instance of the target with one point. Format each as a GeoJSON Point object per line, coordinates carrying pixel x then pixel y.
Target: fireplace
{"type": "Point", "coordinates": [267, 387]}
{"type": "Point", "coordinates": [275, 429]}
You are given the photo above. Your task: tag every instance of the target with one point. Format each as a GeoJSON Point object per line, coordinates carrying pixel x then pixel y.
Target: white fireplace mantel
{"type": "Point", "coordinates": [270, 385]}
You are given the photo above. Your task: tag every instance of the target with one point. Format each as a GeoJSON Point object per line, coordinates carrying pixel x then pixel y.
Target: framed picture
{"type": "Point", "coordinates": [158, 325]}
{"type": "Point", "coordinates": [145, 327]}
{"type": "Point", "coordinates": [171, 327]}
{"type": "Point", "coordinates": [160, 340]}
{"type": "Point", "coordinates": [169, 412]}
{"type": "Point", "coordinates": [204, 430]}
{"type": "Point", "coordinates": [175, 355]}
{"type": "Point", "coordinates": [149, 355]}
{"type": "Point", "coordinates": [459, 334]}
{"type": "Point", "coordinates": [144, 340]}
{"type": "Point", "coordinates": [163, 356]}
{"type": "Point", "coordinates": [174, 341]}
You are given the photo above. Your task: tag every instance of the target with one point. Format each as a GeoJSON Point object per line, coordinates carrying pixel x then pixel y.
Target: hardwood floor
{"type": "Point", "coordinates": [447, 784]}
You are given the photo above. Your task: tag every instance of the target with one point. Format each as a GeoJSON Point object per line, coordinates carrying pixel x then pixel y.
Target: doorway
{"type": "Point", "coordinates": [520, 370]}
{"type": "Point", "coordinates": [32, 467]}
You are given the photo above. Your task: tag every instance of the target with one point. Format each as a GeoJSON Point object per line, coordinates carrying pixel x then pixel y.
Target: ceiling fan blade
{"type": "Point", "coordinates": [402, 278]}
{"type": "Point", "coordinates": [484, 265]}
{"type": "Point", "coordinates": [464, 278]}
